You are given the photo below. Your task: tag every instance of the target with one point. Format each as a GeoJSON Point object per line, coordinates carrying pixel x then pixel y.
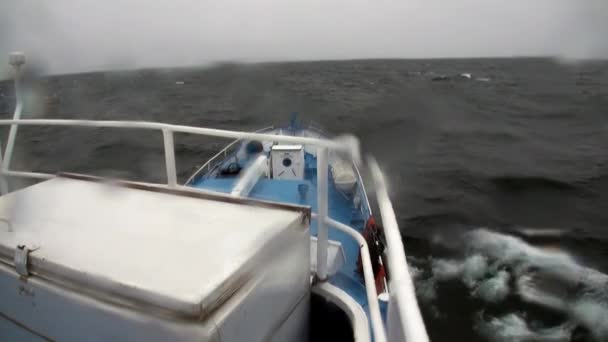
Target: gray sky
{"type": "Point", "coordinates": [78, 35]}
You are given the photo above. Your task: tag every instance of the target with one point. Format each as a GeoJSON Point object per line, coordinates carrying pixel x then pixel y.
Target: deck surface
{"type": "Point", "coordinates": [340, 208]}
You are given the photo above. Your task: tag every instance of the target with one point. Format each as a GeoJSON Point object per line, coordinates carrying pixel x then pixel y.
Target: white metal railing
{"type": "Point", "coordinates": [404, 318]}
{"type": "Point", "coordinates": [221, 155]}
{"type": "Point", "coordinates": [404, 323]}
{"type": "Point", "coordinates": [378, 329]}
{"type": "Point", "coordinates": [168, 131]}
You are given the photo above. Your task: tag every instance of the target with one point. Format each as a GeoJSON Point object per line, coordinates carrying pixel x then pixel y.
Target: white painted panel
{"type": "Point", "coordinates": [257, 312]}
{"type": "Point", "coordinates": [287, 162]}
{"type": "Point", "coordinates": [176, 252]}
{"type": "Point", "coordinates": [265, 307]}
{"type": "Point", "coordinates": [335, 256]}
{"type": "Point", "coordinates": [64, 315]}
{"type": "Point", "coordinates": [296, 327]}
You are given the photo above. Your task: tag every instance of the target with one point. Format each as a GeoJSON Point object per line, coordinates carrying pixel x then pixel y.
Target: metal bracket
{"type": "Point", "coordinates": [21, 254]}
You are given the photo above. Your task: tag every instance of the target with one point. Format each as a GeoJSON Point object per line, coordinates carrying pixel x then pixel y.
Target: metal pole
{"type": "Point", "coordinates": [169, 158]}
{"type": "Point", "coordinates": [3, 183]}
{"type": "Point", "coordinates": [405, 321]}
{"type": "Point", "coordinates": [322, 231]}
{"type": "Point", "coordinates": [16, 59]}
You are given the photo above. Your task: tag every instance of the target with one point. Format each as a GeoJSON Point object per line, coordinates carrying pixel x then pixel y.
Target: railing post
{"type": "Point", "coordinates": [3, 183]}
{"type": "Point", "coordinates": [322, 231]}
{"type": "Point", "coordinates": [170, 158]}
{"type": "Point", "coordinates": [16, 59]}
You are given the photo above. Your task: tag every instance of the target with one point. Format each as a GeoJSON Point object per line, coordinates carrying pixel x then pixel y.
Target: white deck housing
{"type": "Point", "coordinates": [124, 263]}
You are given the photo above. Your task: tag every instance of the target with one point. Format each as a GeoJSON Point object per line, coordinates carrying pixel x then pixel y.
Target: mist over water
{"type": "Point", "coordinates": [66, 36]}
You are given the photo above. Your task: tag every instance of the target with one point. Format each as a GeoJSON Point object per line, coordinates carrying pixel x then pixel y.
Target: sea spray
{"type": "Point", "coordinates": [495, 266]}
{"type": "Point", "coordinates": [514, 327]}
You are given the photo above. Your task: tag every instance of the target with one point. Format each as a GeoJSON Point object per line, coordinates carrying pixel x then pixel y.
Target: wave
{"type": "Point", "coordinates": [523, 183]}
{"type": "Point", "coordinates": [498, 270]}
{"type": "Point", "coordinates": [515, 327]}
{"type": "Point", "coordinates": [439, 218]}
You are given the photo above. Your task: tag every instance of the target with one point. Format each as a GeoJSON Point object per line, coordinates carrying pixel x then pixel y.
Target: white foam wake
{"type": "Point", "coordinates": [495, 266]}
{"type": "Point", "coordinates": [514, 327]}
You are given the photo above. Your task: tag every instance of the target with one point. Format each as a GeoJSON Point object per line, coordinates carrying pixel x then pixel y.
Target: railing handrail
{"type": "Point", "coordinates": [168, 131]}
{"type": "Point", "coordinates": [214, 132]}
{"type": "Point", "coordinates": [378, 329]}
{"type": "Point", "coordinates": [221, 153]}
{"type": "Point", "coordinates": [405, 321]}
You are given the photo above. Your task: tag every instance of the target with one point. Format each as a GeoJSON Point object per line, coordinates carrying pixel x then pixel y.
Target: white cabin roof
{"type": "Point", "coordinates": [176, 252]}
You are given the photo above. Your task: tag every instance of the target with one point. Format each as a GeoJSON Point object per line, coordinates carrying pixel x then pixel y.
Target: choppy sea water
{"type": "Point", "coordinates": [499, 178]}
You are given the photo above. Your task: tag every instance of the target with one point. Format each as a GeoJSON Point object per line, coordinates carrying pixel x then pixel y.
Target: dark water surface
{"type": "Point", "coordinates": [523, 143]}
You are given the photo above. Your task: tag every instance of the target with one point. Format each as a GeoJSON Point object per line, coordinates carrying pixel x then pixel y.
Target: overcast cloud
{"type": "Point", "coordinates": [78, 35]}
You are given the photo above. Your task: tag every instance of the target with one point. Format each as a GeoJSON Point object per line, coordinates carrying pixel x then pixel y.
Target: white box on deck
{"type": "Point", "coordinates": [117, 263]}
{"type": "Point", "coordinates": [288, 162]}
